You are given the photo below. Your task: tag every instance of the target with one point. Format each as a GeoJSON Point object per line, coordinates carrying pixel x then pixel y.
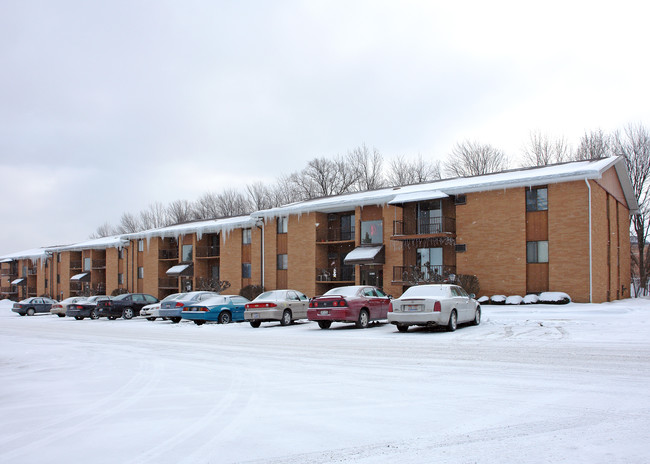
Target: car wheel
{"type": "Point", "coordinates": [324, 324]}
{"type": "Point", "coordinates": [224, 317]}
{"type": "Point", "coordinates": [364, 318]}
{"type": "Point", "coordinates": [112, 318]}
{"type": "Point", "coordinates": [151, 318]}
{"type": "Point", "coordinates": [255, 324]}
{"type": "Point", "coordinates": [61, 315]}
{"type": "Point", "coordinates": [30, 312]}
{"type": "Point", "coordinates": [79, 318]}
{"type": "Point", "coordinates": [477, 317]}
{"type": "Point", "coordinates": [127, 313]}
{"type": "Point", "coordinates": [175, 320]}
{"type": "Point", "coordinates": [93, 315]}
{"type": "Point", "coordinates": [402, 328]}
{"type": "Point", "coordinates": [286, 317]}
{"type": "Point", "coordinates": [453, 321]}
{"type": "Point", "coordinates": [199, 322]}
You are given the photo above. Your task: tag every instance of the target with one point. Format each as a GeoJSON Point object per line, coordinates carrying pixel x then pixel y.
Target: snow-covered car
{"type": "Point", "coordinates": [61, 307]}
{"type": "Point", "coordinates": [285, 306]}
{"type": "Point", "coordinates": [221, 308]}
{"type": "Point", "coordinates": [152, 311]}
{"type": "Point", "coordinates": [31, 306]}
{"type": "Point", "coordinates": [356, 303]}
{"type": "Point", "coordinates": [434, 305]}
{"type": "Point", "coordinates": [172, 309]}
{"type": "Point", "coordinates": [86, 307]}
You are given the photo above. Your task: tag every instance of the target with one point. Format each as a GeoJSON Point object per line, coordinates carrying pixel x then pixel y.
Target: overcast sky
{"type": "Point", "coordinates": [106, 107]}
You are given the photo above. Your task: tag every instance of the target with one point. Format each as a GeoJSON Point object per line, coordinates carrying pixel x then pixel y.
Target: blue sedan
{"type": "Point", "coordinates": [222, 309]}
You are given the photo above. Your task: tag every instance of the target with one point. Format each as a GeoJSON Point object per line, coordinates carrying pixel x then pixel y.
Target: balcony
{"type": "Point", "coordinates": [31, 291]}
{"type": "Point", "coordinates": [76, 286]}
{"type": "Point", "coordinates": [168, 283]}
{"type": "Point", "coordinates": [207, 251]}
{"type": "Point", "coordinates": [99, 264]}
{"type": "Point", "coordinates": [334, 235]}
{"type": "Point", "coordinates": [403, 230]}
{"type": "Point", "coordinates": [427, 274]}
{"type": "Point", "coordinates": [168, 254]}
{"type": "Point", "coordinates": [341, 274]}
{"type": "Point", "coordinates": [9, 290]}
{"type": "Point", "coordinates": [32, 271]}
{"type": "Point", "coordinates": [75, 265]}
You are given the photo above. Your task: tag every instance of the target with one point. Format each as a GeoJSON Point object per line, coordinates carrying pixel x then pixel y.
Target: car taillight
{"type": "Point", "coordinates": [203, 308]}
{"type": "Point", "coordinates": [179, 304]}
{"type": "Point", "coordinates": [340, 303]}
{"type": "Point", "coordinates": [261, 305]}
{"type": "Point", "coordinates": [311, 304]}
{"type": "Point", "coordinates": [390, 306]}
{"type": "Point", "coordinates": [437, 307]}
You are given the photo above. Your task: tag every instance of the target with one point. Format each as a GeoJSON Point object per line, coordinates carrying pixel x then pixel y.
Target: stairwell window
{"type": "Point", "coordinates": [140, 272]}
{"type": "Point", "coordinates": [283, 225]}
{"type": "Point", "coordinates": [537, 252]}
{"type": "Point", "coordinates": [283, 262]}
{"type": "Point", "coordinates": [246, 237]}
{"type": "Point", "coordinates": [246, 270]}
{"type": "Point", "coordinates": [537, 199]}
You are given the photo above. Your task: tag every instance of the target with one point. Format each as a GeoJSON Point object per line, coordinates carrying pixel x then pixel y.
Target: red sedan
{"type": "Point", "coordinates": [359, 304]}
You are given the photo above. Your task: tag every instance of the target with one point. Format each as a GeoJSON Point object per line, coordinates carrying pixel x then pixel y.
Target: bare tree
{"type": "Point", "coordinates": [154, 216]}
{"type": "Point", "coordinates": [105, 230]}
{"type": "Point", "coordinates": [594, 145]}
{"type": "Point", "coordinates": [231, 202]}
{"type": "Point", "coordinates": [470, 158]}
{"type": "Point", "coordinates": [180, 211]}
{"type": "Point", "coordinates": [634, 144]}
{"type": "Point", "coordinates": [367, 168]}
{"type": "Point", "coordinates": [402, 171]}
{"type": "Point", "coordinates": [541, 150]}
{"type": "Point", "coordinates": [259, 196]}
{"type": "Point", "coordinates": [207, 206]}
{"type": "Point", "coordinates": [128, 224]}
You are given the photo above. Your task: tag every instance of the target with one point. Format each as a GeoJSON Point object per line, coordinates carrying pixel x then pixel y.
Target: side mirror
{"type": "Point", "coordinates": [471, 295]}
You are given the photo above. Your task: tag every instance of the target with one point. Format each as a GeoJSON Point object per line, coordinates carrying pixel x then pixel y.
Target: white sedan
{"type": "Point", "coordinates": [434, 305]}
{"type": "Point", "coordinates": [152, 311]}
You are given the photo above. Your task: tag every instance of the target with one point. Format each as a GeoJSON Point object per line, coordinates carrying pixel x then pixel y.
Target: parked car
{"type": "Point", "coordinates": [356, 303]}
{"type": "Point", "coordinates": [285, 306]}
{"type": "Point", "coordinates": [172, 309]}
{"type": "Point", "coordinates": [434, 305]}
{"type": "Point", "coordinates": [221, 308]}
{"type": "Point", "coordinates": [33, 305]}
{"type": "Point", "coordinates": [152, 311]}
{"type": "Point", "coordinates": [86, 307]}
{"type": "Point", "coordinates": [125, 305]}
{"type": "Point", "coordinates": [60, 308]}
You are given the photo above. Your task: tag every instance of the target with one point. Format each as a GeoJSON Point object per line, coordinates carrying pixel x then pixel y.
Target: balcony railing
{"type": "Point", "coordinates": [168, 282]}
{"type": "Point", "coordinates": [75, 286]}
{"type": "Point", "coordinates": [170, 253]}
{"type": "Point", "coordinates": [334, 235]}
{"type": "Point", "coordinates": [422, 274]}
{"type": "Point", "coordinates": [207, 251]}
{"type": "Point", "coordinates": [32, 271]}
{"type": "Point", "coordinates": [9, 290]}
{"type": "Point", "coordinates": [31, 291]}
{"type": "Point", "coordinates": [75, 265]}
{"type": "Point", "coordinates": [428, 226]}
{"type": "Point", "coordinates": [335, 274]}
{"type": "Point", "coordinates": [99, 264]}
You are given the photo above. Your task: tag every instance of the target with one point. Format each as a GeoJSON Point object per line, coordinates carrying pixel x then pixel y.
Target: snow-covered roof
{"type": "Point", "coordinates": [528, 177]}
{"type": "Point", "coordinates": [209, 226]}
{"type": "Point", "coordinates": [102, 243]}
{"type": "Point", "coordinates": [34, 254]}
{"type": "Point", "coordinates": [177, 270]}
{"type": "Point", "coordinates": [422, 195]}
{"type": "Point", "coordinates": [363, 254]}
{"type": "Point", "coordinates": [79, 277]}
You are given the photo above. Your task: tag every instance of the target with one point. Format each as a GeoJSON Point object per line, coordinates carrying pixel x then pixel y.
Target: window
{"type": "Point", "coordinates": [429, 215]}
{"type": "Point", "coordinates": [45, 283]}
{"type": "Point", "coordinates": [120, 253]}
{"type": "Point", "coordinates": [371, 232]}
{"type": "Point", "coordinates": [429, 260]}
{"type": "Point", "coordinates": [537, 252]}
{"type": "Point", "coordinates": [58, 278]}
{"type": "Point", "coordinates": [187, 253]}
{"type": "Point", "coordinates": [461, 248]}
{"type": "Point", "coordinates": [460, 200]}
{"type": "Point", "coordinates": [120, 279]}
{"type": "Point", "coordinates": [246, 236]}
{"type": "Point", "coordinates": [140, 245]}
{"type": "Point", "coordinates": [347, 227]}
{"type": "Point", "coordinates": [86, 264]}
{"type": "Point", "coordinates": [215, 272]}
{"type": "Point", "coordinates": [58, 257]}
{"type": "Point", "coordinates": [246, 270]}
{"type": "Point", "coordinates": [140, 272]}
{"type": "Point", "coordinates": [283, 262]}
{"type": "Point", "coordinates": [138, 298]}
{"type": "Point", "coordinates": [283, 224]}
{"type": "Point", "coordinates": [150, 299]}
{"type": "Point", "coordinates": [537, 199]}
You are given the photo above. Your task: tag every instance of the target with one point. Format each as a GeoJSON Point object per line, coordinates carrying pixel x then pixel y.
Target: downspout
{"type": "Point", "coordinates": [590, 247]}
{"type": "Point", "coordinates": [262, 249]}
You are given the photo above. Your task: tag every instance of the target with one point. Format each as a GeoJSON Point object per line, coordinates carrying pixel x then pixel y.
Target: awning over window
{"type": "Point", "coordinates": [18, 281]}
{"type": "Point", "coordinates": [83, 277]}
{"type": "Point", "coordinates": [417, 196]}
{"type": "Point", "coordinates": [366, 255]}
{"type": "Point", "coordinates": [181, 270]}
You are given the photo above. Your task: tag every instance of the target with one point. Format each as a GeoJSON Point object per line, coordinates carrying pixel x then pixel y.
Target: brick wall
{"type": "Point", "coordinates": [231, 260]}
{"type": "Point", "coordinates": [301, 247]}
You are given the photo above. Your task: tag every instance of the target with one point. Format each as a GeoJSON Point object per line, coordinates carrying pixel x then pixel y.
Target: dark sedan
{"type": "Point", "coordinates": [126, 305]}
{"type": "Point", "coordinates": [357, 303]}
{"type": "Point", "coordinates": [86, 307]}
{"type": "Point", "coordinates": [31, 306]}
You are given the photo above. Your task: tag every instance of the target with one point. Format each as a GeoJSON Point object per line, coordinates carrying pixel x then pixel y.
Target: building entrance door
{"type": "Point", "coordinates": [372, 275]}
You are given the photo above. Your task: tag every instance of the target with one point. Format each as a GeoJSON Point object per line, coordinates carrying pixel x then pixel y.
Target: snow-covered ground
{"type": "Point", "coordinates": [534, 384]}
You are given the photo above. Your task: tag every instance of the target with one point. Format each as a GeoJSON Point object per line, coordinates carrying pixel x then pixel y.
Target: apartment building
{"type": "Point", "coordinates": [554, 228]}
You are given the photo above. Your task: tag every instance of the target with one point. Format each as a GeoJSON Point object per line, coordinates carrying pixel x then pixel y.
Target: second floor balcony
{"type": "Point", "coordinates": [168, 253]}
{"type": "Point", "coordinates": [99, 264]}
{"type": "Point", "coordinates": [75, 265]}
{"type": "Point", "coordinates": [207, 251]}
{"type": "Point", "coordinates": [168, 283]}
{"type": "Point", "coordinates": [424, 227]}
{"type": "Point", "coordinates": [334, 235]}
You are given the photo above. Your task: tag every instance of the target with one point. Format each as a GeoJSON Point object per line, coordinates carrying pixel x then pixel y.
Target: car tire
{"type": "Point", "coordinates": [93, 315]}
{"type": "Point", "coordinates": [224, 317]}
{"type": "Point", "coordinates": [127, 313]}
{"type": "Point", "coordinates": [255, 324]}
{"type": "Point", "coordinates": [452, 325]}
{"type": "Point", "coordinates": [61, 315]}
{"type": "Point", "coordinates": [151, 318]}
{"type": "Point", "coordinates": [324, 324]}
{"type": "Point", "coordinates": [112, 318]}
{"type": "Point", "coordinates": [364, 319]}
{"type": "Point", "coordinates": [402, 328]}
{"type": "Point", "coordinates": [199, 322]}
{"type": "Point", "coordinates": [286, 317]}
{"type": "Point", "coordinates": [477, 317]}
{"type": "Point", "coordinates": [79, 318]}
{"type": "Point", "coordinates": [30, 312]}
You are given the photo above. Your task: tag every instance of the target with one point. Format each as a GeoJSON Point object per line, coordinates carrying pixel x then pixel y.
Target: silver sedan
{"type": "Point", "coordinates": [285, 306]}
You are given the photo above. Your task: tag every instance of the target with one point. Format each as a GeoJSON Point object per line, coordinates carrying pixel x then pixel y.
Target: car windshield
{"type": "Point", "coordinates": [275, 295]}
{"type": "Point", "coordinates": [123, 296]}
{"type": "Point", "coordinates": [214, 301]}
{"type": "Point", "coordinates": [174, 296]}
{"type": "Point", "coordinates": [425, 290]}
{"type": "Point", "coordinates": [344, 291]}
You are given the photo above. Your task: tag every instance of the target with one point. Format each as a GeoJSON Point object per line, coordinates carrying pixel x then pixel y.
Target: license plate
{"type": "Point", "coordinates": [324, 313]}
{"type": "Point", "coordinates": [256, 316]}
{"type": "Point", "coordinates": [412, 307]}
